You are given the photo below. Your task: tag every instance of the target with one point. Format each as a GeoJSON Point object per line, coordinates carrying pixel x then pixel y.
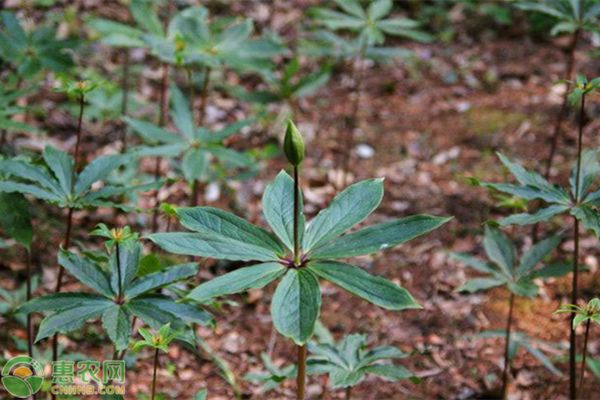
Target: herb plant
{"type": "Point", "coordinates": [573, 17]}
{"type": "Point", "coordinates": [504, 270]}
{"type": "Point", "coordinates": [158, 341]}
{"type": "Point", "coordinates": [195, 146]}
{"type": "Point", "coordinates": [583, 314]}
{"type": "Point", "coordinates": [298, 253]}
{"type": "Point", "coordinates": [118, 295]}
{"type": "Point", "coordinates": [349, 361]}
{"type": "Point", "coordinates": [579, 202]}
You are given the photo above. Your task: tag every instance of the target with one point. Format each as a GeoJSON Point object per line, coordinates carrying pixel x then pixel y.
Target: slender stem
{"type": "Point", "coordinates": [301, 377]}
{"type": "Point", "coordinates": [196, 190]}
{"type": "Point", "coordinates": [511, 302]}
{"type": "Point", "coordinates": [59, 279]}
{"type": "Point", "coordinates": [78, 142]}
{"type": "Point", "coordinates": [125, 97]}
{"type": "Point", "coordinates": [29, 322]}
{"type": "Point", "coordinates": [348, 392]}
{"type": "Point", "coordinates": [585, 345]}
{"type": "Point", "coordinates": [560, 117]}
{"type": "Point", "coordinates": [296, 217]}
{"type": "Point", "coordinates": [154, 374]}
{"type": "Point", "coordinates": [575, 289]}
{"type": "Point", "coordinates": [204, 96]}
{"type": "Point", "coordinates": [573, 336]}
{"type": "Point", "coordinates": [352, 120]}
{"type": "Point", "coordinates": [162, 118]}
{"type": "Point", "coordinates": [120, 283]}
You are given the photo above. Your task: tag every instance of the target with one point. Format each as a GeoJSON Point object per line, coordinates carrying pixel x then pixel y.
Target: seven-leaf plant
{"type": "Point", "coordinates": [298, 261]}
{"type": "Point", "coordinates": [195, 146]}
{"type": "Point", "coordinates": [348, 361]}
{"type": "Point", "coordinates": [118, 295]}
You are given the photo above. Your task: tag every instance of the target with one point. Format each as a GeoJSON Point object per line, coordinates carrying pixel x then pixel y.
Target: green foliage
{"type": "Point", "coordinates": [9, 108]}
{"type": "Point", "coordinates": [588, 312]}
{"type": "Point", "coordinates": [570, 15]}
{"type": "Point", "coordinates": [273, 376]}
{"type": "Point", "coordinates": [532, 186]}
{"type": "Point", "coordinates": [195, 147]}
{"type": "Point", "coordinates": [118, 295]}
{"type": "Point", "coordinates": [582, 87]}
{"type": "Point", "coordinates": [15, 218]}
{"type": "Point", "coordinates": [160, 339]}
{"type": "Point", "coordinates": [519, 340]}
{"type": "Point", "coordinates": [115, 235]}
{"type": "Point", "coordinates": [504, 270]}
{"type": "Point", "coordinates": [350, 360]}
{"type": "Point", "coordinates": [32, 51]}
{"type": "Point", "coordinates": [13, 299]}
{"type": "Point", "coordinates": [296, 303]}
{"type": "Point", "coordinates": [57, 182]}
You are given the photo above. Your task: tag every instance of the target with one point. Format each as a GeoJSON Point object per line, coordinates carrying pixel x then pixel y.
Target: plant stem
{"type": "Point", "coordinates": [511, 302]}
{"type": "Point", "coordinates": [348, 392]}
{"type": "Point", "coordinates": [560, 117]}
{"type": "Point", "coordinates": [301, 377]}
{"type": "Point", "coordinates": [296, 217]}
{"type": "Point", "coordinates": [154, 374]}
{"type": "Point", "coordinates": [575, 290]}
{"type": "Point", "coordinates": [29, 324]}
{"type": "Point", "coordinates": [585, 345]}
{"type": "Point", "coordinates": [120, 283]}
{"type": "Point", "coordinates": [78, 142]}
{"type": "Point", "coordinates": [162, 118]}
{"type": "Point", "coordinates": [125, 97]}
{"type": "Point", "coordinates": [352, 119]}
{"type": "Point", "coordinates": [204, 95]}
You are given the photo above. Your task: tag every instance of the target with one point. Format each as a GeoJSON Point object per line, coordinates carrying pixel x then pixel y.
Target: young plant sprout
{"type": "Point", "coordinates": [579, 202]}
{"type": "Point", "coordinates": [159, 341]}
{"type": "Point", "coordinates": [195, 146]}
{"type": "Point", "coordinates": [516, 275]}
{"type": "Point", "coordinates": [583, 314]}
{"type": "Point", "coordinates": [118, 295]}
{"type": "Point", "coordinates": [298, 253]}
{"type": "Point", "coordinates": [273, 376]}
{"type": "Point", "coordinates": [349, 361]}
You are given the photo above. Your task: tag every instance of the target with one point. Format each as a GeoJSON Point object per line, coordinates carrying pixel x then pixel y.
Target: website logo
{"type": "Point", "coordinates": [22, 376]}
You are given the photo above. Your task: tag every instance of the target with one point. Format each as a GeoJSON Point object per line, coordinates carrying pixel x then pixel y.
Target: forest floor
{"type": "Point", "coordinates": [431, 124]}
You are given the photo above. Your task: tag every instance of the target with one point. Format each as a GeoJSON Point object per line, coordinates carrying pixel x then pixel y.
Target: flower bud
{"type": "Point", "coordinates": [293, 144]}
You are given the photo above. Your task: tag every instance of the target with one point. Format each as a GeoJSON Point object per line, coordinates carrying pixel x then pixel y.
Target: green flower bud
{"type": "Point", "coordinates": [293, 144]}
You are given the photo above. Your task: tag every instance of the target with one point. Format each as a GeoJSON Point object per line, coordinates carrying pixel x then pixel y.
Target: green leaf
{"type": "Point", "coordinates": [543, 214]}
{"type": "Point", "coordinates": [473, 262]}
{"type": "Point", "coordinates": [352, 7]}
{"type": "Point", "coordinates": [590, 168]}
{"type": "Point", "coordinates": [374, 289]}
{"type": "Point", "coordinates": [589, 217]}
{"type": "Point", "coordinates": [478, 284]}
{"type": "Point", "coordinates": [194, 164]}
{"type": "Point", "coordinates": [296, 304]}
{"type": "Point", "coordinates": [232, 157]}
{"type": "Point", "coordinates": [159, 279]}
{"type": "Point", "coordinates": [35, 174]}
{"type": "Point", "coordinates": [70, 319]}
{"type": "Point", "coordinates": [61, 164]}
{"type": "Point", "coordinates": [61, 301]}
{"type": "Point", "coordinates": [181, 113]}
{"type": "Point", "coordinates": [555, 270]}
{"type": "Point", "coordinates": [278, 209]}
{"type": "Point", "coordinates": [499, 249]}
{"type": "Point", "coordinates": [15, 218]}
{"type": "Point", "coordinates": [35, 191]}
{"type": "Point", "coordinates": [536, 254]}
{"type": "Point", "coordinates": [347, 209]}
{"type": "Point", "coordinates": [129, 260]}
{"type": "Point", "coordinates": [240, 280]}
{"type": "Point", "coordinates": [150, 132]}
{"type": "Point", "coordinates": [379, 9]}
{"type": "Point", "coordinates": [378, 237]}
{"type": "Point", "coordinates": [86, 272]}
{"type": "Point", "coordinates": [97, 170]}
{"type": "Point", "coordinates": [146, 17]}
{"type": "Point", "coordinates": [391, 372]}
{"type": "Point", "coordinates": [523, 287]}
{"type": "Point", "coordinates": [152, 315]}
{"type": "Point", "coordinates": [115, 321]}
{"type": "Point", "coordinates": [232, 230]}
{"type": "Point", "coordinates": [187, 312]}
